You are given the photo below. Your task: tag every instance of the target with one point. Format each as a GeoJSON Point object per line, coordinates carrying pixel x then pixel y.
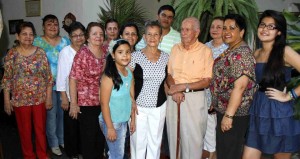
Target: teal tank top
{"type": "Point", "coordinates": [120, 101]}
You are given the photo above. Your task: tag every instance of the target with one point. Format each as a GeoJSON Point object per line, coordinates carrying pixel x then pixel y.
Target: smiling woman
{"type": "Point", "coordinates": [28, 64]}
{"type": "Point", "coordinates": [52, 43]}
{"type": "Point", "coordinates": [232, 89]}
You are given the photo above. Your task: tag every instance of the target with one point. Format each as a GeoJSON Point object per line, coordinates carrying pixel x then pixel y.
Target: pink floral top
{"type": "Point", "coordinates": [27, 77]}
{"type": "Point", "coordinates": [87, 70]}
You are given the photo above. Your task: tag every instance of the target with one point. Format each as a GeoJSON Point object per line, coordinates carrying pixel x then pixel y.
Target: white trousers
{"type": "Point", "coordinates": [210, 135]}
{"type": "Point", "coordinates": [148, 133]}
{"type": "Point", "coordinates": [193, 120]}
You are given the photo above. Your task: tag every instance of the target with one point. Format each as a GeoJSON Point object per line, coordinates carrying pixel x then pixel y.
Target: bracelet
{"type": "Point", "coordinates": [228, 116]}
{"type": "Point", "coordinates": [291, 95]}
{"type": "Point", "coordinates": [295, 96]}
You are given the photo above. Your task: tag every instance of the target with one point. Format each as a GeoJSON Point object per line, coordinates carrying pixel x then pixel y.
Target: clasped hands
{"type": "Point", "coordinates": [176, 92]}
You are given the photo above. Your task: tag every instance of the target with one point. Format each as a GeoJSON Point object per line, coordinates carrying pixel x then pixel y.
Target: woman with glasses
{"type": "Point", "coordinates": [65, 61]}
{"type": "Point", "coordinates": [232, 89]}
{"type": "Point", "coordinates": [273, 129]}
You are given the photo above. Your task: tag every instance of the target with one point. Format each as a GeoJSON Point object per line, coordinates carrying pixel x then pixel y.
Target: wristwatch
{"type": "Point", "coordinates": [187, 88]}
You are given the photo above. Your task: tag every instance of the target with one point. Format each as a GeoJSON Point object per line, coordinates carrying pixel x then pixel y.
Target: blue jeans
{"type": "Point", "coordinates": [116, 148]}
{"type": "Point", "coordinates": [55, 122]}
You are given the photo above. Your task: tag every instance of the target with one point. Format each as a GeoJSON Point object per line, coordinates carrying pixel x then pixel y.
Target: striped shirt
{"type": "Point", "coordinates": [168, 41]}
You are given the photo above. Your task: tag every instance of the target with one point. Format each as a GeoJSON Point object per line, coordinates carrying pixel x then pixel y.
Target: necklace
{"type": "Point", "coordinates": [231, 48]}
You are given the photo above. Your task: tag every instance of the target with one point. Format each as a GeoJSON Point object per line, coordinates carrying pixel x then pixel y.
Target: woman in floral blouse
{"type": "Point", "coordinates": [232, 89]}
{"type": "Point", "coordinates": [85, 77]}
{"type": "Point", "coordinates": [28, 80]}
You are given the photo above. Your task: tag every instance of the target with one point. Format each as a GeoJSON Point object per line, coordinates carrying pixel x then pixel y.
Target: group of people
{"type": "Point", "coordinates": [93, 90]}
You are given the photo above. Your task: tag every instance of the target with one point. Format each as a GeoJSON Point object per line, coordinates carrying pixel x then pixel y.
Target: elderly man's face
{"type": "Point", "coordinates": [189, 33]}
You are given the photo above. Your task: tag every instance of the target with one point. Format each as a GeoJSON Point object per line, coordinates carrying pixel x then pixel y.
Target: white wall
{"type": "Point", "coordinates": [277, 5]}
{"type": "Point", "coordinates": [86, 11]}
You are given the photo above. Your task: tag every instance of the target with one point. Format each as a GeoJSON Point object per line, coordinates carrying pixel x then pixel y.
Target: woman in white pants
{"type": "Point", "coordinates": [149, 67]}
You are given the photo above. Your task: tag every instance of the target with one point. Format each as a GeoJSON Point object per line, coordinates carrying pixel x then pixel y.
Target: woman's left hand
{"type": "Point", "coordinates": [132, 127]}
{"type": "Point", "coordinates": [48, 103]}
{"type": "Point", "coordinates": [275, 94]}
{"type": "Point", "coordinates": [226, 124]}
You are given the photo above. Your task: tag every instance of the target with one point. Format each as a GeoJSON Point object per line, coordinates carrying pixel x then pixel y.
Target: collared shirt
{"type": "Point", "coordinates": [187, 66]}
{"type": "Point", "coordinates": [52, 53]}
{"type": "Point", "coordinates": [216, 52]}
{"type": "Point", "coordinates": [87, 70]}
{"type": "Point", "coordinates": [168, 41]}
{"type": "Point", "coordinates": [64, 66]}
{"type": "Point", "coordinates": [27, 77]}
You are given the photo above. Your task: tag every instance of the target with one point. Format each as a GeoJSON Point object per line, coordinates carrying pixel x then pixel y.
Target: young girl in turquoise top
{"type": "Point", "coordinates": [116, 98]}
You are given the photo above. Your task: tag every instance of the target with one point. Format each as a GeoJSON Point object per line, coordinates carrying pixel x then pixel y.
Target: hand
{"type": "Point", "coordinates": [174, 89]}
{"type": "Point", "coordinates": [111, 134]}
{"type": "Point", "coordinates": [48, 103]}
{"type": "Point", "coordinates": [64, 104]}
{"type": "Point", "coordinates": [178, 97]}
{"type": "Point", "coordinates": [132, 127]}
{"type": "Point", "coordinates": [74, 110]}
{"type": "Point", "coordinates": [226, 124]}
{"type": "Point", "coordinates": [8, 108]}
{"type": "Point", "coordinates": [134, 108]}
{"type": "Point", "coordinates": [275, 94]}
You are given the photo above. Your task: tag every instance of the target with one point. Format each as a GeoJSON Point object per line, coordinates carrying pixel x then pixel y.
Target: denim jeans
{"type": "Point", "coordinates": [55, 122]}
{"type": "Point", "coordinates": [116, 148]}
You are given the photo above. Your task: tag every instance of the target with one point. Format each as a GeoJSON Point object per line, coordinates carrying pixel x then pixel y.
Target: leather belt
{"type": "Point", "coordinates": [196, 90]}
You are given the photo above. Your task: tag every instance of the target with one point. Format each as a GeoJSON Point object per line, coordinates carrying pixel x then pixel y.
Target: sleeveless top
{"type": "Point", "coordinates": [120, 101]}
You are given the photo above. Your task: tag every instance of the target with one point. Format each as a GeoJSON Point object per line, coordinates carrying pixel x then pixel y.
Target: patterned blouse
{"type": "Point", "coordinates": [216, 52]}
{"type": "Point", "coordinates": [27, 77]}
{"type": "Point", "coordinates": [227, 69]}
{"type": "Point", "coordinates": [52, 53]}
{"type": "Point", "coordinates": [87, 70]}
{"type": "Point", "coordinates": [149, 79]}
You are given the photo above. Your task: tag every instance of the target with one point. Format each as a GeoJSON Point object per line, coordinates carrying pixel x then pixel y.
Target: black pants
{"type": "Point", "coordinates": [71, 135]}
{"type": "Point", "coordinates": [230, 143]}
{"type": "Point", "coordinates": [92, 138]}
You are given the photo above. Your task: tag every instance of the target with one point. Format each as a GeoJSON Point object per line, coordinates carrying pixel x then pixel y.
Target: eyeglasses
{"type": "Point", "coordinates": [132, 34]}
{"type": "Point", "coordinates": [269, 27]}
{"type": "Point", "coordinates": [231, 28]}
{"type": "Point", "coordinates": [77, 36]}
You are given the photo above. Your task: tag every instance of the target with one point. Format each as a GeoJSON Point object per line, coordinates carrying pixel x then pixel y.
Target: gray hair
{"type": "Point", "coordinates": [194, 21]}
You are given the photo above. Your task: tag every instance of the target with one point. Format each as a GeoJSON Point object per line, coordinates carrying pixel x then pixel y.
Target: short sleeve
{"type": "Point", "coordinates": [8, 70]}
{"type": "Point", "coordinates": [46, 68]}
{"type": "Point", "coordinates": [140, 45]}
{"type": "Point", "coordinates": [78, 65]}
{"type": "Point", "coordinates": [133, 60]}
{"type": "Point", "coordinates": [209, 62]}
{"type": "Point", "coordinates": [243, 63]}
{"type": "Point", "coordinates": [171, 57]}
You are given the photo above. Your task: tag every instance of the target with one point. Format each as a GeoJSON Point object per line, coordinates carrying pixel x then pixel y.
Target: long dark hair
{"type": "Point", "coordinates": [274, 69]}
{"type": "Point", "coordinates": [111, 70]}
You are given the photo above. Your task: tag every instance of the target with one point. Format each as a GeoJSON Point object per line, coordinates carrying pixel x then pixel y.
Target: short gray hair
{"type": "Point", "coordinates": [194, 21]}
